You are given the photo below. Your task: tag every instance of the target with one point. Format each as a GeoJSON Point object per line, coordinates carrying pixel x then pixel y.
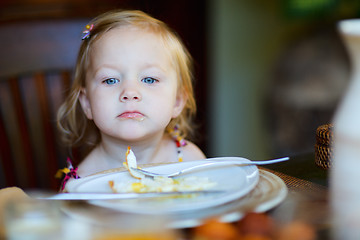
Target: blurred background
{"type": "Point", "coordinates": [267, 74]}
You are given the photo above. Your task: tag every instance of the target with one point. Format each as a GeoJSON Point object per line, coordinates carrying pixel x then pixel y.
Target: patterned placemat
{"type": "Point", "coordinates": [297, 184]}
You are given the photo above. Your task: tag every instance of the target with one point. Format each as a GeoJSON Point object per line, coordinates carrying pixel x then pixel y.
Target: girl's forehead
{"type": "Point", "coordinates": [128, 37]}
{"type": "Point", "coordinates": [130, 32]}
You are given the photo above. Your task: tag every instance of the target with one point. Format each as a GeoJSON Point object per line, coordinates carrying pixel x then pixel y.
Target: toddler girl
{"type": "Point", "coordinates": [132, 87]}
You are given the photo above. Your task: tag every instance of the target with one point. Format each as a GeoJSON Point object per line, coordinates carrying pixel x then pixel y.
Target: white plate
{"type": "Point", "coordinates": [267, 194]}
{"type": "Point", "coordinates": [235, 181]}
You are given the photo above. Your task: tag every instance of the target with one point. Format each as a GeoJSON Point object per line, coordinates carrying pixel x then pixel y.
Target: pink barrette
{"type": "Point", "coordinates": [87, 31]}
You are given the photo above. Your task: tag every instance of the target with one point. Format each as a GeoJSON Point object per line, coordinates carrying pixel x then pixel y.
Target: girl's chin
{"type": "Point", "coordinates": [133, 132]}
{"type": "Point", "coordinates": [129, 135]}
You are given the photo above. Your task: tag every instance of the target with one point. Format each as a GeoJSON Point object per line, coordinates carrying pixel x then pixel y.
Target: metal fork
{"type": "Point", "coordinates": [213, 162]}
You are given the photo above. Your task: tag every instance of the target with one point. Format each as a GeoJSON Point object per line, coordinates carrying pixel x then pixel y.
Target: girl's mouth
{"type": "Point", "coordinates": [132, 115]}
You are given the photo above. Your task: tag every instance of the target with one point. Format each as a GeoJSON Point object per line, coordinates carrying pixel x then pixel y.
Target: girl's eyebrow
{"type": "Point", "coordinates": [152, 65]}
{"type": "Point", "coordinates": [115, 68]}
{"type": "Point", "coordinates": [106, 66]}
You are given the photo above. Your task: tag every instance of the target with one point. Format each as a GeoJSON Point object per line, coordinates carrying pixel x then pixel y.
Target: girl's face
{"type": "Point", "coordinates": [131, 85]}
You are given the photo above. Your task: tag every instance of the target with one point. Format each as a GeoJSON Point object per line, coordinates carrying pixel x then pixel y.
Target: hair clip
{"type": "Point", "coordinates": [87, 31]}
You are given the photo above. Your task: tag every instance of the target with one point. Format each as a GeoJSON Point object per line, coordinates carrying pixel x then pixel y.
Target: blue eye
{"type": "Point", "coordinates": [111, 81]}
{"type": "Point", "coordinates": [149, 80]}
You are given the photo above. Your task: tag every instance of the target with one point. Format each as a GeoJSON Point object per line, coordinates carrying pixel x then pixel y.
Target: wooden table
{"type": "Point", "coordinates": [308, 197]}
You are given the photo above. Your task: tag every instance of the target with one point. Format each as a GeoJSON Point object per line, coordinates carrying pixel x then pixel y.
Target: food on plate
{"type": "Point", "coordinates": [131, 163]}
{"type": "Point", "coordinates": [144, 184]}
{"type": "Point", "coordinates": [162, 184]}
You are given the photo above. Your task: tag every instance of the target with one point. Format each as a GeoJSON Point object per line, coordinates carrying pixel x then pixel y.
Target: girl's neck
{"type": "Point", "coordinates": [111, 154]}
{"type": "Point", "coordinates": [114, 152]}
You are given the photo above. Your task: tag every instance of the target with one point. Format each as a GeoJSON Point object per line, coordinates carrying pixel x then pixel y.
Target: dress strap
{"type": "Point", "coordinates": [179, 141]}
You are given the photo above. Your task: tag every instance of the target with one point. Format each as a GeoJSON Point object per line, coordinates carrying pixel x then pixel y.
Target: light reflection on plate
{"type": "Point", "coordinates": [235, 181]}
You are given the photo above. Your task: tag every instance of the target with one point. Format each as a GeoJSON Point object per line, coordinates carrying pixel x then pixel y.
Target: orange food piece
{"type": "Point", "coordinates": [111, 184]}
{"type": "Point", "coordinates": [213, 229]}
{"type": "Point", "coordinates": [120, 236]}
{"type": "Point", "coordinates": [255, 237]}
{"type": "Point", "coordinates": [256, 224]}
{"type": "Point", "coordinates": [297, 230]}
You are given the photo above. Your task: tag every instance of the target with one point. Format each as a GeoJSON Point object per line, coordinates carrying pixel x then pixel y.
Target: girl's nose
{"type": "Point", "coordinates": [130, 95]}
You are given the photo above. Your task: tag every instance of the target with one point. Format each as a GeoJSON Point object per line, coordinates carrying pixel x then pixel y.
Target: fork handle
{"type": "Point", "coordinates": [216, 162]}
{"type": "Point", "coordinates": [266, 162]}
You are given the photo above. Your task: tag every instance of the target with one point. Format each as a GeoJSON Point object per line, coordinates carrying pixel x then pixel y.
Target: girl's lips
{"type": "Point", "coordinates": [132, 115]}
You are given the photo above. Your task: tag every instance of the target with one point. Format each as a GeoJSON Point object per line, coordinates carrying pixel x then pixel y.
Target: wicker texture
{"type": "Point", "coordinates": [323, 146]}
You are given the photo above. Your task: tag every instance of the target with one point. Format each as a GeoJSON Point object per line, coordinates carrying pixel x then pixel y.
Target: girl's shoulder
{"type": "Point", "coordinates": [192, 152]}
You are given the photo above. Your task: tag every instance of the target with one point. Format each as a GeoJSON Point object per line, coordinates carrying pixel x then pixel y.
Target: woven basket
{"type": "Point", "coordinates": [323, 149]}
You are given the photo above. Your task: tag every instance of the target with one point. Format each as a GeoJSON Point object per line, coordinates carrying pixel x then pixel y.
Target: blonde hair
{"type": "Point", "coordinates": [75, 128]}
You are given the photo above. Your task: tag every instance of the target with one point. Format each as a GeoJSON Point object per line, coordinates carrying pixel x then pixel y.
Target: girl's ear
{"type": "Point", "coordinates": [179, 104]}
{"type": "Point", "coordinates": [85, 103]}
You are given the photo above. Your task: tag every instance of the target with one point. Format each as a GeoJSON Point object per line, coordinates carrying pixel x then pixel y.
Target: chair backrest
{"type": "Point", "coordinates": [31, 152]}
{"type": "Point", "coordinates": [36, 62]}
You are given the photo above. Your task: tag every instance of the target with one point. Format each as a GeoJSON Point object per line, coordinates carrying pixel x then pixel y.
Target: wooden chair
{"type": "Point", "coordinates": [31, 152]}
{"type": "Point", "coordinates": [35, 73]}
